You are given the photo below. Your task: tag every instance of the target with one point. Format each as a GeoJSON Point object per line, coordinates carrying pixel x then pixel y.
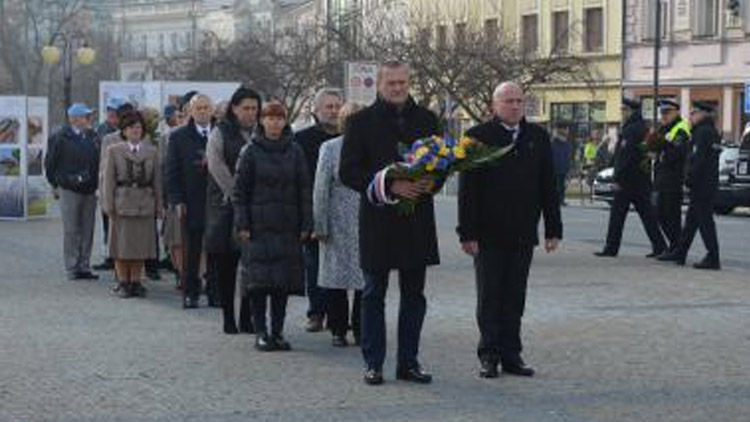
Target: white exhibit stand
{"type": "Point", "coordinates": [24, 130]}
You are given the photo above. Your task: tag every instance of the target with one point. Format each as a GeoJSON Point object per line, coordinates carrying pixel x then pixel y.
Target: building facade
{"type": "Point", "coordinates": [705, 55]}
{"type": "Point", "coordinates": [544, 28]}
{"type": "Point", "coordinates": [150, 30]}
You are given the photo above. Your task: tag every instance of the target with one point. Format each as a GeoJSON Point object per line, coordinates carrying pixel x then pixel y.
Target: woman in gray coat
{"type": "Point", "coordinates": [131, 197]}
{"type": "Point", "coordinates": [336, 216]}
{"type": "Point", "coordinates": [272, 214]}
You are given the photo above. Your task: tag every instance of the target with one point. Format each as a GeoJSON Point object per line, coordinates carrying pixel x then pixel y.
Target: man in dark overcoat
{"type": "Point", "coordinates": [186, 174]}
{"type": "Point", "coordinates": [390, 240]}
{"type": "Point", "coordinates": [499, 211]}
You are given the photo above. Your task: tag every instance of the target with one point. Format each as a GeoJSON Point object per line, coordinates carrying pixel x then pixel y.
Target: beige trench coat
{"type": "Point", "coordinates": [132, 197]}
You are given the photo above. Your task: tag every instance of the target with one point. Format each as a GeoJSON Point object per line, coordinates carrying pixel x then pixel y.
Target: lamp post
{"type": "Point", "coordinates": [51, 54]}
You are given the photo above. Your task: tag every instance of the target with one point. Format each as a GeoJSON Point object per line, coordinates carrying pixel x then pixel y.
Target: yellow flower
{"type": "Point", "coordinates": [459, 152]}
{"type": "Point", "coordinates": [465, 142]}
{"type": "Point", "coordinates": [432, 164]}
{"type": "Point", "coordinates": [421, 152]}
{"type": "Point", "coordinates": [444, 151]}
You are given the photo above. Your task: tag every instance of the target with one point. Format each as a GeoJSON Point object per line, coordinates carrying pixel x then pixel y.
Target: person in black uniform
{"type": "Point", "coordinates": [498, 227]}
{"type": "Point", "coordinates": [669, 170]}
{"type": "Point", "coordinates": [632, 184]}
{"type": "Point", "coordinates": [703, 182]}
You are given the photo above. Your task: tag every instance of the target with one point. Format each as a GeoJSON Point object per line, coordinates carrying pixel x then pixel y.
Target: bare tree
{"type": "Point", "coordinates": [286, 65]}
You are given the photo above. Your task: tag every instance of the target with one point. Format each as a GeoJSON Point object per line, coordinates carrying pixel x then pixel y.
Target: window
{"type": "Point", "coordinates": [529, 34]}
{"type": "Point", "coordinates": [442, 36]}
{"type": "Point", "coordinates": [706, 18]}
{"type": "Point", "coordinates": [491, 30]}
{"type": "Point", "coordinates": [460, 34]}
{"type": "Point", "coordinates": [174, 42]}
{"type": "Point", "coordinates": [650, 19]}
{"type": "Point", "coordinates": [560, 32]}
{"type": "Point", "coordinates": [144, 45]}
{"type": "Point", "coordinates": [425, 35]}
{"type": "Point", "coordinates": [580, 120]}
{"type": "Point", "coordinates": [594, 30]}
{"type": "Point", "coordinates": [161, 44]}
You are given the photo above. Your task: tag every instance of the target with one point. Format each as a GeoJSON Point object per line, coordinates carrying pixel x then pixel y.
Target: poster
{"type": "Point", "coordinates": [361, 82]}
{"type": "Point", "coordinates": [39, 197]}
{"type": "Point", "coordinates": [131, 92]}
{"type": "Point", "coordinates": [24, 123]}
{"type": "Point", "coordinates": [12, 119]}
{"type": "Point", "coordinates": [218, 91]}
{"type": "Point", "coordinates": [11, 197]}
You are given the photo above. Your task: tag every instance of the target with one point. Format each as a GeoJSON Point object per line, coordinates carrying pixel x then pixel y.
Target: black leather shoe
{"type": "Point", "coordinates": [488, 370]}
{"type": "Point", "coordinates": [122, 290]}
{"type": "Point", "coordinates": [138, 290]}
{"type": "Point", "coordinates": [708, 264]}
{"type": "Point", "coordinates": [518, 368]}
{"type": "Point", "coordinates": [655, 254]}
{"type": "Point", "coordinates": [340, 341]}
{"type": "Point", "coordinates": [190, 303]}
{"type": "Point", "coordinates": [280, 344]}
{"type": "Point", "coordinates": [87, 275]}
{"type": "Point", "coordinates": [415, 374]}
{"type": "Point", "coordinates": [263, 343]}
{"type": "Point", "coordinates": [373, 377]}
{"type": "Point", "coordinates": [605, 254]}
{"type": "Point", "coordinates": [675, 257]}
{"type": "Point", "coordinates": [230, 327]}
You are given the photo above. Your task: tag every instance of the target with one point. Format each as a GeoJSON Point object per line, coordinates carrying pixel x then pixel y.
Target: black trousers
{"type": "Point", "coordinates": [669, 215]}
{"type": "Point", "coordinates": [501, 277]}
{"type": "Point", "coordinates": [561, 181]}
{"type": "Point", "coordinates": [192, 276]}
{"type": "Point", "coordinates": [339, 318]}
{"type": "Point", "coordinates": [152, 265]}
{"type": "Point", "coordinates": [700, 217]}
{"type": "Point", "coordinates": [412, 309]}
{"type": "Point", "coordinates": [105, 234]}
{"type": "Point", "coordinates": [642, 202]}
{"type": "Point", "coordinates": [259, 306]}
{"type": "Point", "coordinates": [224, 267]}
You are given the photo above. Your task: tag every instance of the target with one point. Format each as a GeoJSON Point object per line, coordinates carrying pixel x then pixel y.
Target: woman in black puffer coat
{"type": "Point", "coordinates": [273, 216]}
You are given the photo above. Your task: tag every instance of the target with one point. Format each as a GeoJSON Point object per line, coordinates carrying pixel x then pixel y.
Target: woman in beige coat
{"type": "Point", "coordinates": [131, 197]}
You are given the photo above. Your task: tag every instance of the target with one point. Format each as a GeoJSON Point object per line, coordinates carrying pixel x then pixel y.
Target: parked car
{"type": "Point", "coordinates": [734, 187]}
{"type": "Point", "coordinates": [734, 181]}
{"type": "Point", "coordinates": [603, 186]}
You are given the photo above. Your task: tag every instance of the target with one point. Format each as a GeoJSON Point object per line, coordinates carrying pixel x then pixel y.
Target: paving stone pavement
{"type": "Point", "coordinates": [612, 340]}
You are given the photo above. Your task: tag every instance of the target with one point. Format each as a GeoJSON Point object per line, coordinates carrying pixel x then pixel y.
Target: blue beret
{"type": "Point", "coordinates": [79, 110]}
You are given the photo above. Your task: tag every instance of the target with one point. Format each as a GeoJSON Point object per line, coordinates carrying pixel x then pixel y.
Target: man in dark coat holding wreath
{"type": "Point", "coordinates": [390, 240]}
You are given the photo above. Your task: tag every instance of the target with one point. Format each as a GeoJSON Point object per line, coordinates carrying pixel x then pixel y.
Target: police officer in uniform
{"type": "Point", "coordinates": [703, 182]}
{"type": "Point", "coordinates": [632, 184]}
{"type": "Point", "coordinates": [669, 170]}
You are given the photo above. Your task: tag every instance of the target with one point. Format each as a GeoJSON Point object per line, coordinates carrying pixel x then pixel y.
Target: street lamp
{"type": "Point", "coordinates": [51, 54]}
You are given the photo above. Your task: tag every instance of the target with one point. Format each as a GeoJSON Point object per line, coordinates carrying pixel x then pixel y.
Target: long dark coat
{"type": "Point", "coordinates": [219, 233]}
{"type": "Point", "coordinates": [703, 170]}
{"type": "Point", "coordinates": [387, 239]}
{"type": "Point", "coordinates": [272, 200]}
{"type": "Point", "coordinates": [187, 174]}
{"type": "Point", "coordinates": [630, 173]}
{"type": "Point", "coordinates": [500, 205]}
